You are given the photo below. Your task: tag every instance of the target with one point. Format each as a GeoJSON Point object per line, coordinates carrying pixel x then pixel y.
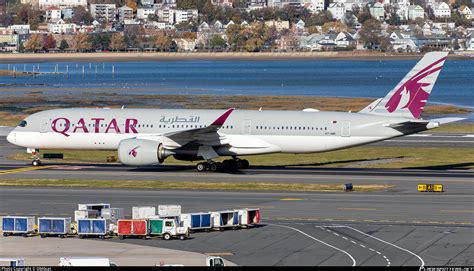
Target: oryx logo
{"type": "Point", "coordinates": [133, 152]}
{"type": "Point", "coordinates": [411, 94]}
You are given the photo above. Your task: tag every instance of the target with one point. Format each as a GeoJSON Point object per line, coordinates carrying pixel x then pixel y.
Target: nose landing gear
{"type": "Point", "coordinates": [228, 165]}
{"type": "Point", "coordinates": [36, 159]}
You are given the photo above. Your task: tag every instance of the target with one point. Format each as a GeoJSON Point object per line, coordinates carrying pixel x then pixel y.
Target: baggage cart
{"type": "Point", "coordinates": [18, 225]}
{"type": "Point", "coordinates": [54, 226]}
{"type": "Point", "coordinates": [225, 219]}
{"type": "Point", "coordinates": [132, 227]}
{"type": "Point", "coordinates": [249, 217]}
{"type": "Point", "coordinates": [93, 206]}
{"type": "Point", "coordinates": [143, 212]}
{"type": "Point", "coordinates": [167, 229]}
{"type": "Point", "coordinates": [196, 221]}
{"type": "Point", "coordinates": [92, 227]}
{"type": "Point", "coordinates": [80, 214]}
{"type": "Point", "coordinates": [167, 211]}
{"type": "Point", "coordinates": [112, 214]}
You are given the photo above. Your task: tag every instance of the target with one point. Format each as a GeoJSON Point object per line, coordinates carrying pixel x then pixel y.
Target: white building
{"type": "Point", "coordinates": [44, 4]}
{"type": "Point", "coordinates": [125, 13]}
{"type": "Point", "coordinates": [315, 6]}
{"type": "Point", "coordinates": [20, 28]}
{"type": "Point", "coordinates": [466, 12]}
{"type": "Point", "coordinates": [377, 11]}
{"type": "Point", "coordinates": [337, 10]}
{"type": "Point", "coordinates": [144, 12]}
{"type": "Point", "coordinates": [442, 10]}
{"type": "Point", "coordinates": [166, 15]}
{"type": "Point", "coordinates": [53, 14]}
{"type": "Point", "coordinates": [184, 15]}
{"type": "Point", "coordinates": [222, 3]}
{"type": "Point", "coordinates": [147, 2]}
{"type": "Point", "coordinates": [415, 11]}
{"type": "Point", "coordinates": [60, 27]}
{"type": "Point", "coordinates": [103, 11]}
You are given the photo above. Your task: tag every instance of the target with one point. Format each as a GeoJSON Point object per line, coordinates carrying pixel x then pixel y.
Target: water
{"type": "Point", "coordinates": [371, 79]}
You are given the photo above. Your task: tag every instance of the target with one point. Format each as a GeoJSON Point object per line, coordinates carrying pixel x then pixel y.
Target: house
{"type": "Point", "coordinates": [337, 10]}
{"type": "Point", "coordinates": [299, 27]}
{"type": "Point", "coordinates": [125, 13]}
{"type": "Point", "coordinates": [310, 42]}
{"type": "Point", "coordinates": [218, 26]}
{"type": "Point", "coordinates": [222, 3]}
{"type": "Point", "coordinates": [67, 13]}
{"type": "Point", "coordinates": [61, 27]}
{"type": "Point", "coordinates": [441, 10]}
{"type": "Point", "coordinates": [187, 45]}
{"type": "Point", "coordinates": [53, 14]}
{"type": "Point", "coordinates": [255, 4]}
{"type": "Point", "coordinates": [377, 11]}
{"type": "Point", "coordinates": [103, 12]}
{"type": "Point", "coordinates": [415, 11]}
{"type": "Point", "coordinates": [166, 15]}
{"type": "Point", "coordinates": [185, 15]}
{"type": "Point", "coordinates": [204, 27]}
{"type": "Point", "coordinates": [287, 43]}
{"type": "Point", "coordinates": [344, 40]}
{"type": "Point", "coordinates": [45, 4]}
{"type": "Point", "coordinates": [244, 24]}
{"type": "Point", "coordinates": [470, 42]}
{"type": "Point", "coordinates": [147, 3]}
{"type": "Point", "coordinates": [402, 43]}
{"type": "Point", "coordinates": [22, 29]}
{"type": "Point", "coordinates": [278, 24]}
{"type": "Point", "coordinates": [229, 24]}
{"type": "Point", "coordinates": [315, 6]}
{"type": "Point", "coordinates": [328, 42]}
{"type": "Point", "coordinates": [466, 12]}
{"type": "Point", "coordinates": [144, 12]}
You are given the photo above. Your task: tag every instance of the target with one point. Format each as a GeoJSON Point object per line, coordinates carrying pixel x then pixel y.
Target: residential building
{"type": "Point", "coordinates": [166, 15]}
{"type": "Point", "coordinates": [44, 4]}
{"type": "Point", "coordinates": [53, 14]}
{"type": "Point", "coordinates": [222, 3]}
{"type": "Point", "coordinates": [125, 13]}
{"type": "Point", "coordinates": [402, 43]}
{"type": "Point", "coordinates": [337, 10]}
{"type": "Point", "coordinates": [310, 42]}
{"type": "Point", "coordinates": [315, 6]}
{"type": "Point", "coordinates": [466, 12]}
{"type": "Point", "coordinates": [144, 12]}
{"type": "Point", "coordinates": [345, 40]}
{"type": "Point", "coordinates": [470, 42]}
{"type": "Point", "coordinates": [415, 11]}
{"type": "Point", "coordinates": [61, 27]}
{"type": "Point", "coordinates": [185, 44]}
{"type": "Point", "coordinates": [22, 29]}
{"type": "Point", "coordinates": [442, 10]}
{"type": "Point", "coordinates": [103, 12]}
{"type": "Point", "coordinates": [184, 15]}
{"type": "Point", "coordinates": [287, 43]}
{"type": "Point", "coordinates": [377, 11]}
{"type": "Point", "coordinates": [9, 42]}
{"type": "Point", "coordinates": [146, 3]}
{"type": "Point", "coordinates": [67, 13]}
{"type": "Point", "coordinates": [169, 3]}
{"type": "Point", "coordinates": [254, 4]}
{"type": "Point", "coordinates": [278, 24]}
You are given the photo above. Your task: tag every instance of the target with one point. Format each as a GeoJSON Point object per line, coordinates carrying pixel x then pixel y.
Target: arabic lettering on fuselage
{"type": "Point", "coordinates": [177, 119]}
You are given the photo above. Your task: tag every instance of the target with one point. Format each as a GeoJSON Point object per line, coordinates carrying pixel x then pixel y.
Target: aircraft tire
{"type": "Point", "coordinates": [201, 167]}
{"type": "Point", "coordinates": [36, 163]}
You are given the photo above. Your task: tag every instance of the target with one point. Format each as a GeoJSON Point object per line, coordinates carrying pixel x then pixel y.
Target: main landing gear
{"type": "Point", "coordinates": [225, 166]}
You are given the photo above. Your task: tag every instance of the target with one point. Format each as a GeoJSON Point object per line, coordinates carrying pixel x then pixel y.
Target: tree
{"type": "Point", "coordinates": [25, 14]}
{"type": "Point", "coordinates": [217, 42]}
{"type": "Point", "coordinates": [34, 43]}
{"type": "Point", "coordinates": [319, 18]}
{"type": "Point", "coordinates": [370, 33]}
{"type": "Point", "coordinates": [364, 15]}
{"type": "Point", "coordinates": [101, 41]}
{"type": "Point", "coordinates": [163, 42]}
{"type": "Point", "coordinates": [254, 45]}
{"type": "Point", "coordinates": [386, 45]}
{"type": "Point", "coordinates": [234, 37]}
{"type": "Point", "coordinates": [49, 42]}
{"type": "Point", "coordinates": [117, 42]}
{"type": "Point", "coordinates": [82, 42]}
{"type": "Point", "coordinates": [63, 45]}
{"type": "Point", "coordinates": [132, 4]}
{"type": "Point", "coordinates": [336, 26]}
{"type": "Point", "coordinates": [82, 16]}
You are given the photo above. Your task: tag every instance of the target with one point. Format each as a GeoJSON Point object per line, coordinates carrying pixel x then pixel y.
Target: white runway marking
{"type": "Point", "coordinates": [378, 239]}
{"type": "Point", "coordinates": [322, 242]}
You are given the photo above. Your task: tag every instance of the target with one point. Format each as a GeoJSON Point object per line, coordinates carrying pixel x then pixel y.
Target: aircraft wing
{"type": "Point", "coordinates": [208, 136]}
{"type": "Point", "coordinates": [409, 127]}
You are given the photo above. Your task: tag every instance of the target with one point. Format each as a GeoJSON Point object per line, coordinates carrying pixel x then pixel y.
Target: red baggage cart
{"type": "Point", "coordinates": [132, 227]}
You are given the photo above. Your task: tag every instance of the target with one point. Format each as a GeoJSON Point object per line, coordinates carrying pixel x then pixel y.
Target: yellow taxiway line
{"type": "Point", "coordinates": [23, 169]}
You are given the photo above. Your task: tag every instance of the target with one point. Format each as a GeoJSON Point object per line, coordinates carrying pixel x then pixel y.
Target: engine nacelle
{"type": "Point", "coordinates": [142, 152]}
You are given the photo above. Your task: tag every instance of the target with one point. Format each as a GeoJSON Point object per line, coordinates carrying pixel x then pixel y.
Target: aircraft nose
{"type": "Point", "coordinates": [10, 137]}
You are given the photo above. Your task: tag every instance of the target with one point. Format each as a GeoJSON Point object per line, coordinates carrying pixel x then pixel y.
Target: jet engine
{"type": "Point", "coordinates": [142, 152]}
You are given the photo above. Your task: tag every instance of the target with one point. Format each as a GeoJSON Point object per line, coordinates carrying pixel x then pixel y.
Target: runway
{"type": "Point", "coordinates": [396, 226]}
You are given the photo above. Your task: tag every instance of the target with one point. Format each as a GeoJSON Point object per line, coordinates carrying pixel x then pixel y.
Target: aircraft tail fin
{"type": "Point", "coordinates": [409, 97]}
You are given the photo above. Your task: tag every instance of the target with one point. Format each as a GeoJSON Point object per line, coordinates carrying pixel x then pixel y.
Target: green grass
{"type": "Point", "coordinates": [457, 127]}
{"type": "Point", "coordinates": [366, 156]}
{"type": "Point", "coordinates": [152, 184]}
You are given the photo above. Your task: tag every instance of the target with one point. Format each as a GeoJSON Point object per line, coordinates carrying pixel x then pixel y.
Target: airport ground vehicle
{"type": "Point", "coordinates": [85, 261]}
{"type": "Point", "coordinates": [22, 225]}
{"type": "Point", "coordinates": [167, 229]}
{"type": "Point", "coordinates": [225, 219]}
{"type": "Point", "coordinates": [132, 227]}
{"type": "Point", "coordinates": [196, 221]}
{"type": "Point", "coordinates": [54, 226]}
{"type": "Point", "coordinates": [93, 227]}
{"type": "Point", "coordinates": [215, 261]}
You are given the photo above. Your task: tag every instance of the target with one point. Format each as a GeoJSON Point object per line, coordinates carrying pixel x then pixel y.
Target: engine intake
{"type": "Point", "coordinates": [142, 152]}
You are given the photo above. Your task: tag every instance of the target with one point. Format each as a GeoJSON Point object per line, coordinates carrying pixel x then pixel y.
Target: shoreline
{"type": "Point", "coordinates": [164, 56]}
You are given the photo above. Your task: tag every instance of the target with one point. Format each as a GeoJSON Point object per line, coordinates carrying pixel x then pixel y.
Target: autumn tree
{"type": "Point", "coordinates": [26, 14]}
{"type": "Point", "coordinates": [82, 16]}
{"type": "Point", "coordinates": [132, 4]}
{"type": "Point", "coordinates": [254, 44]}
{"type": "Point", "coordinates": [336, 26]}
{"type": "Point", "coordinates": [49, 42]}
{"type": "Point", "coordinates": [217, 42]}
{"type": "Point", "coordinates": [371, 33]}
{"type": "Point", "coordinates": [82, 42]}
{"type": "Point", "coordinates": [101, 41]}
{"type": "Point", "coordinates": [34, 43]}
{"type": "Point", "coordinates": [163, 42]}
{"type": "Point", "coordinates": [117, 42]}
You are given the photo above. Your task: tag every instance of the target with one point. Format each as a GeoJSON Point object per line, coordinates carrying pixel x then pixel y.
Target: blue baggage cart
{"type": "Point", "coordinates": [54, 226]}
{"type": "Point", "coordinates": [12, 225]}
{"type": "Point", "coordinates": [92, 227]}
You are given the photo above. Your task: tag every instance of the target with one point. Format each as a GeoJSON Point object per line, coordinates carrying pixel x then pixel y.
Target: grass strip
{"type": "Point", "coordinates": [154, 184]}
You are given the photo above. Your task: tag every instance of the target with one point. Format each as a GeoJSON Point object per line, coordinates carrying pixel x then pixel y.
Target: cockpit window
{"type": "Point", "coordinates": [23, 123]}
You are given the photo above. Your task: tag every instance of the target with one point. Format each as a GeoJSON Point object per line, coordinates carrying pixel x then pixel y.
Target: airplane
{"type": "Point", "coordinates": [146, 137]}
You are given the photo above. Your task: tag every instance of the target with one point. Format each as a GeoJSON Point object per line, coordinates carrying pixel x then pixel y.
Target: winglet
{"type": "Point", "coordinates": [220, 120]}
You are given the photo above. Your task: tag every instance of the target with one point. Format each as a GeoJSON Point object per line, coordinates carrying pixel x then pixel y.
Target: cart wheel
{"type": "Point", "coordinates": [5, 234]}
{"type": "Point", "coordinates": [62, 236]}
{"type": "Point", "coordinates": [182, 237]}
{"type": "Point", "coordinates": [43, 235]}
{"type": "Point", "coordinates": [121, 237]}
{"type": "Point", "coordinates": [81, 236]}
{"type": "Point", "coordinates": [166, 236]}
{"type": "Point", "coordinates": [101, 237]}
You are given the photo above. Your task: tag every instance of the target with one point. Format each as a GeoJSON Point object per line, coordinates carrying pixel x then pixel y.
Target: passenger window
{"type": "Point", "coordinates": [22, 123]}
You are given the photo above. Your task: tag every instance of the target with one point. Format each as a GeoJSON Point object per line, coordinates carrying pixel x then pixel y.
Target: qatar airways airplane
{"type": "Point", "coordinates": [145, 137]}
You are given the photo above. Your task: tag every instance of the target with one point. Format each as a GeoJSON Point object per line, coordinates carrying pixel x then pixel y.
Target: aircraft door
{"type": "Point", "coordinates": [346, 128]}
{"type": "Point", "coordinates": [44, 125]}
{"type": "Point", "coordinates": [247, 127]}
